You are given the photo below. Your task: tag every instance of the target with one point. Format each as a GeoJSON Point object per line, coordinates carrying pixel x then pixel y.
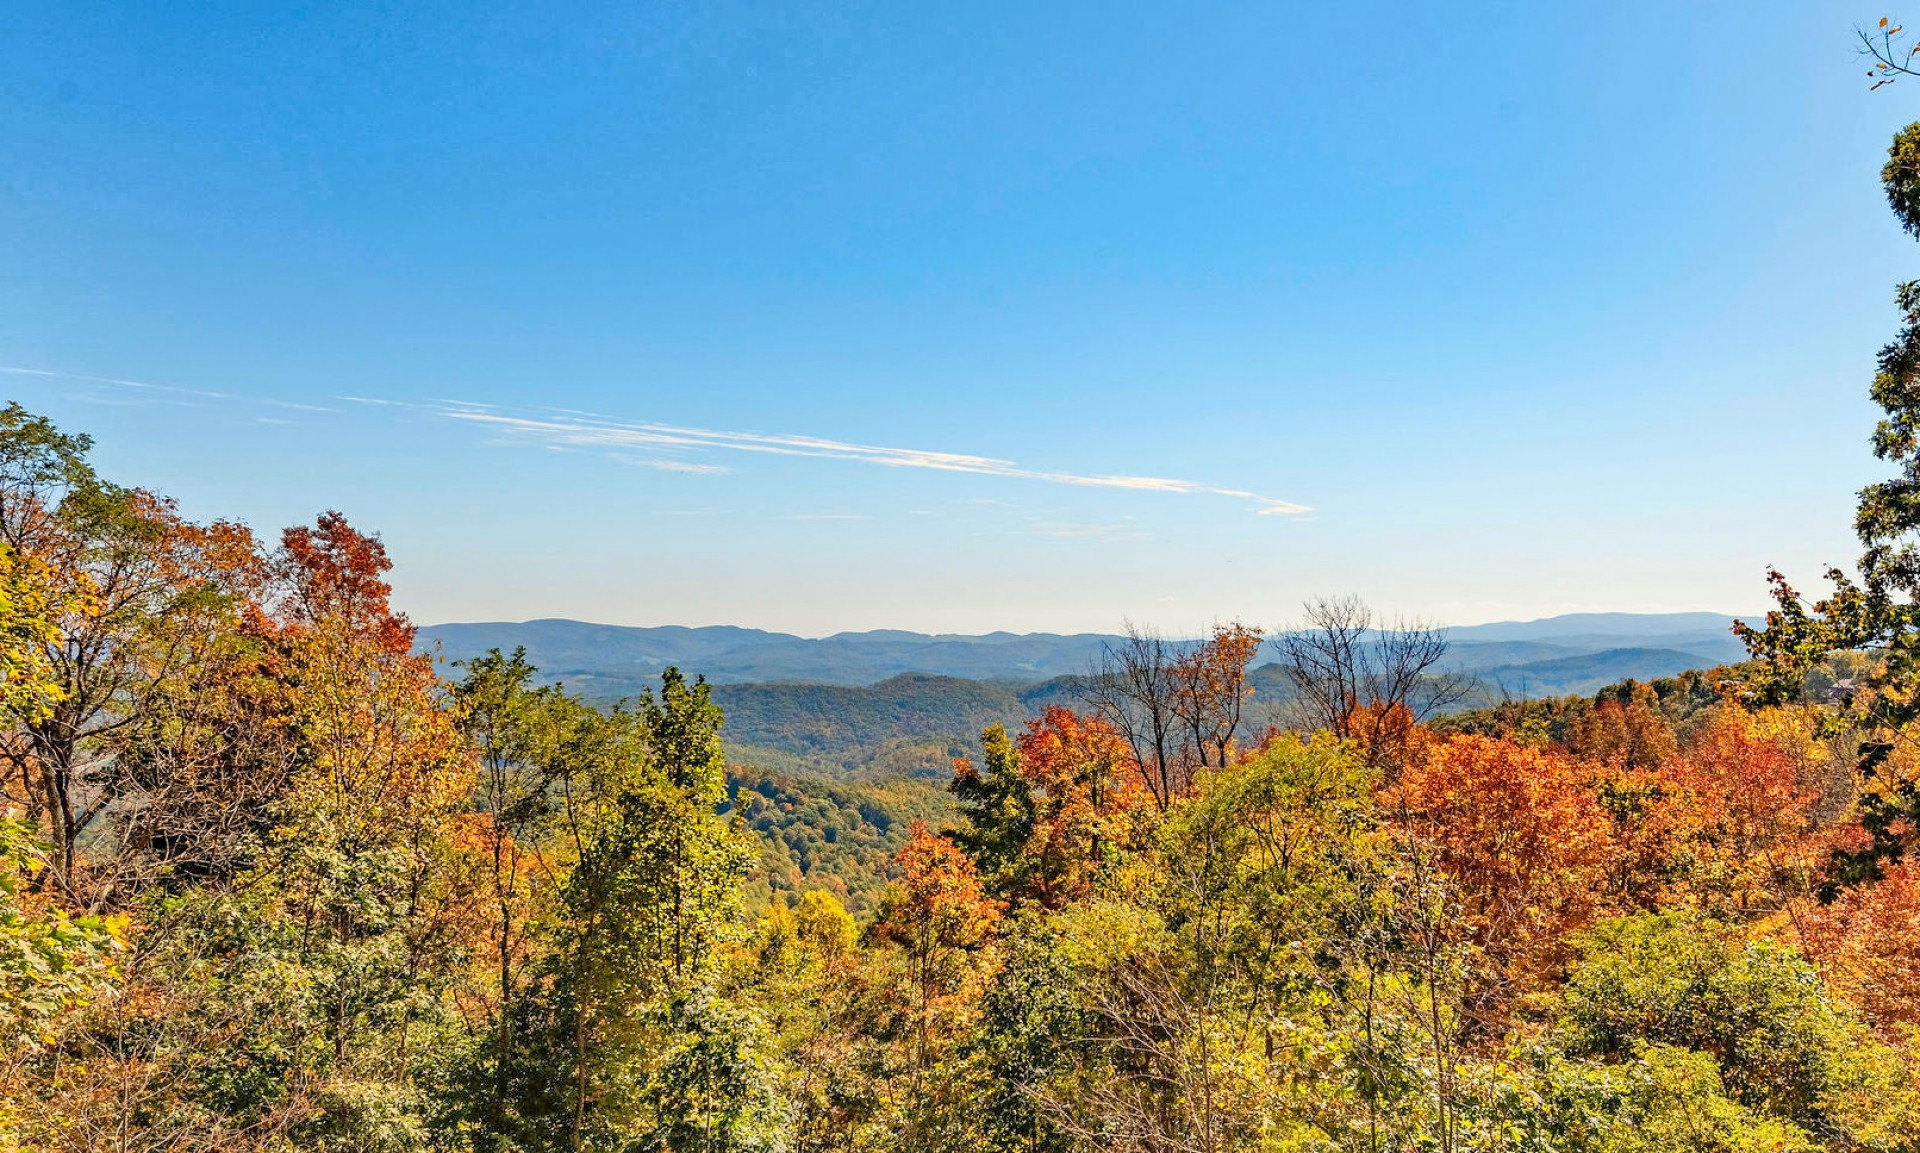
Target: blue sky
{"type": "Point", "coordinates": [964, 317]}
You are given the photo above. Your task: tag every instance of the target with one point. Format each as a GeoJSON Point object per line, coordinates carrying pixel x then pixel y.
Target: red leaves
{"type": "Point", "coordinates": [938, 913]}
{"type": "Point", "coordinates": [940, 902]}
{"type": "Point", "coordinates": [333, 570]}
{"type": "Point", "coordinates": [1747, 775]}
{"type": "Point", "coordinates": [1536, 843]}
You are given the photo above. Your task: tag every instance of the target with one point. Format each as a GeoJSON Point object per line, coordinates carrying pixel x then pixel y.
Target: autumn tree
{"type": "Point", "coordinates": [1051, 810]}
{"type": "Point", "coordinates": [1205, 1006]}
{"type": "Point", "coordinates": [1631, 733]}
{"type": "Point", "coordinates": [28, 688]}
{"type": "Point", "coordinates": [1365, 678]}
{"type": "Point", "coordinates": [373, 847]}
{"type": "Point", "coordinates": [1178, 706]}
{"type": "Point", "coordinates": [1086, 803]}
{"type": "Point", "coordinates": [1752, 779]}
{"type": "Point", "coordinates": [938, 918]}
{"type": "Point", "coordinates": [1211, 690]}
{"type": "Point", "coordinates": [136, 595]}
{"type": "Point", "coordinates": [50, 963]}
{"type": "Point", "coordinates": [298, 992]}
{"type": "Point", "coordinates": [1867, 945]}
{"type": "Point", "coordinates": [804, 972]}
{"type": "Point", "coordinates": [1523, 843]}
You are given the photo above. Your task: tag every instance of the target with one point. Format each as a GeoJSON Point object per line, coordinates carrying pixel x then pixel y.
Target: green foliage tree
{"type": "Point", "coordinates": [997, 804]}
{"type": "Point", "coordinates": [519, 732]}
{"type": "Point", "coordinates": [51, 965]}
{"type": "Point", "coordinates": [653, 894]}
{"type": "Point", "coordinates": [715, 1090]}
{"type": "Point", "coordinates": [1755, 1013]}
{"type": "Point", "coordinates": [1880, 610]}
{"type": "Point", "coordinates": [1031, 1024]}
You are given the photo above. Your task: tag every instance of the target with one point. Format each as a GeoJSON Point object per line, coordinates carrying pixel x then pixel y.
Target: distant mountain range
{"type": "Point", "coordinates": [1556, 655]}
{"type": "Point", "coordinates": [889, 704]}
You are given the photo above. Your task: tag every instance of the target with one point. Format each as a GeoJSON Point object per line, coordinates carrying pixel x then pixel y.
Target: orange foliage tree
{"type": "Point", "coordinates": [1632, 733]}
{"type": "Point", "coordinates": [1749, 777]}
{"type": "Point", "coordinates": [1211, 690]}
{"type": "Point", "coordinates": [1084, 801]}
{"type": "Point", "coordinates": [940, 918]}
{"type": "Point", "coordinates": [144, 601]}
{"type": "Point", "coordinates": [1386, 734]}
{"type": "Point", "coordinates": [1522, 841]}
{"type": "Point", "coordinates": [1727, 821]}
{"type": "Point", "coordinates": [1867, 945]}
{"type": "Point", "coordinates": [377, 837]}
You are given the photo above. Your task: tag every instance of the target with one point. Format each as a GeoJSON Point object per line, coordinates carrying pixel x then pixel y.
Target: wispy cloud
{"type": "Point", "coordinates": [566, 429]}
{"type": "Point", "coordinates": [572, 429]}
{"type": "Point", "coordinates": [171, 392]}
{"type": "Point", "coordinates": [826, 516]}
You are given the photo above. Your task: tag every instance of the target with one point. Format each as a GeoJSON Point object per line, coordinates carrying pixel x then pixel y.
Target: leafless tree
{"type": "Point", "coordinates": [1366, 678]}
{"type": "Point", "coordinates": [1178, 704]}
{"type": "Point", "coordinates": [1134, 687]}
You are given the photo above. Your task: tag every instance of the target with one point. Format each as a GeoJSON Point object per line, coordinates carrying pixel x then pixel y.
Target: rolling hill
{"type": "Point", "coordinates": [881, 705]}
{"type": "Point", "coordinates": [615, 660]}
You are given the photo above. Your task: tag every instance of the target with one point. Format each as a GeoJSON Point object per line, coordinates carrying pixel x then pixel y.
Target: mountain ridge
{"type": "Point", "coordinates": [617, 659]}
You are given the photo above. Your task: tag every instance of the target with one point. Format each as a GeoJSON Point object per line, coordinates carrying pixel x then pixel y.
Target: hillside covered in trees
{"type": "Point", "coordinates": [274, 878]}
{"type": "Point", "coordinates": [334, 334]}
{"type": "Point", "coordinates": [273, 883]}
{"type": "Point", "coordinates": [914, 724]}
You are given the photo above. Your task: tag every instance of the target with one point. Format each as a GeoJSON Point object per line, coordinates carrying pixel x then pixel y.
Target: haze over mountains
{"type": "Point", "coordinates": [887, 704]}
{"type": "Point", "coordinates": [1554, 655]}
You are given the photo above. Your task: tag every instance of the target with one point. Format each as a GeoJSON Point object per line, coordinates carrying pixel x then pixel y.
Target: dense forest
{"type": "Point", "coordinates": [272, 882]}
{"type": "Point", "coordinates": [272, 879]}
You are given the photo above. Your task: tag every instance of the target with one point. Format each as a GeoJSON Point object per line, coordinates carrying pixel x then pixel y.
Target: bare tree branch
{"type": "Point", "coordinates": [1367, 679]}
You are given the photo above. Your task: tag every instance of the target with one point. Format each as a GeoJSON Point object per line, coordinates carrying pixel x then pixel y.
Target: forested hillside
{"type": "Point", "coordinates": [270, 881]}
{"type": "Point", "coordinates": [832, 836]}
{"type": "Point", "coordinates": [614, 660]}
{"type": "Point", "coordinates": [904, 726]}
{"type": "Point", "coordinates": [915, 725]}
